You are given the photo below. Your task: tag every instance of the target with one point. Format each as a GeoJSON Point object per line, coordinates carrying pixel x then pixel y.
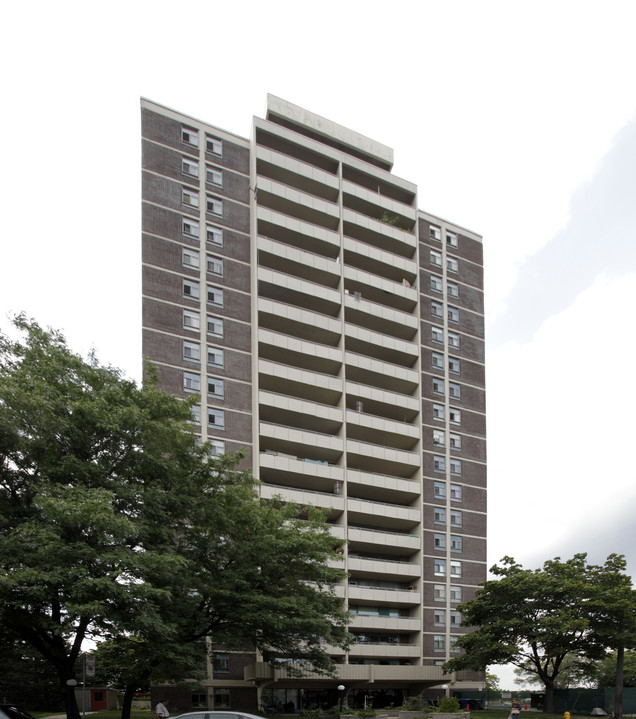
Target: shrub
{"type": "Point", "coordinates": [449, 705]}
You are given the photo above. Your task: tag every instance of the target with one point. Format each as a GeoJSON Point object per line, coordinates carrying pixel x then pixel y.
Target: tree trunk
{"type": "Point", "coordinates": [549, 699]}
{"type": "Point", "coordinates": [128, 699]}
{"type": "Point", "coordinates": [70, 702]}
{"type": "Point", "coordinates": [618, 695]}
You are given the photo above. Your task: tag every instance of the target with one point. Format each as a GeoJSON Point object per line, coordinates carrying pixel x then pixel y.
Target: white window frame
{"type": "Point", "coordinates": [452, 288]}
{"type": "Point", "coordinates": [190, 258]}
{"type": "Point", "coordinates": [439, 515]}
{"type": "Point", "coordinates": [190, 227]}
{"type": "Point", "coordinates": [216, 357]}
{"type": "Point", "coordinates": [439, 490]}
{"type": "Point", "coordinates": [214, 175]}
{"type": "Point", "coordinates": [439, 463]}
{"type": "Point", "coordinates": [453, 314]}
{"type": "Point", "coordinates": [439, 411]}
{"type": "Point", "coordinates": [437, 335]}
{"type": "Point", "coordinates": [191, 382]}
{"type": "Point", "coordinates": [436, 258]}
{"type": "Point", "coordinates": [454, 441]}
{"type": "Point", "coordinates": [439, 438]}
{"type": "Point", "coordinates": [439, 567]}
{"type": "Point", "coordinates": [454, 415]}
{"type": "Point", "coordinates": [453, 340]}
{"type": "Point", "coordinates": [214, 235]}
{"type": "Point", "coordinates": [455, 467]}
{"type": "Point", "coordinates": [438, 386]}
{"type": "Point", "coordinates": [214, 205]}
{"type": "Point", "coordinates": [196, 414]}
{"type": "Point", "coordinates": [451, 239]}
{"type": "Point", "coordinates": [191, 351]}
{"type": "Point", "coordinates": [437, 309]}
{"type": "Point", "coordinates": [190, 197]}
{"type": "Point", "coordinates": [455, 568]}
{"type": "Point", "coordinates": [216, 387]}
{"type": "Point", "coordinates": [453, 365]}
{"type": "Point", "coordinates": [189, 166]}
{"type": "Point", "coordinates": [455, 518]}
{"type": "Point", "coordinates": [455, 543]}
{"type": "Point", "coordinates": [455, 493]}
{"type": "Point", "coordinates": [452, 264]}
{"type": "Point", "coordinates": [437, 360]}
{"type": "Point", "coordinates": [439, 617]}
{"type": "Point", "coordinates": [439, 540]}
{"type": "Point", "coordinates": [215, 265]}
{"type": "Point", "coordinates": [439, 643]}
{"type": "Point", "coordinates": [214, 326]}
{"type": "Point", "coordinates": [455, 593]}
{"type": "Point", "coordinates": [214, 145]}
{"type": "Point", "coordinates": [215, 296]}
{"type": "Point", "coordinates": [439, 592]}
{"type": "Point", "coordinates": [216, 418]}
{"type": "Point", "coordinates": [436, 284]}
{"type": "Point", "coordinates": [455, 618]}
{"type": "Point", "coordinates": [191, 320]}
{"type": "Point", "coordinates": [435, 232]}
{"type": "Point", "coordinates": [189, 136]}
{"type": "Point", "coordinates": [454, 390]}
{"type": "Point", "coordinates": [217, 447]}
{"type": "Point", "coordinates": [191, 289]}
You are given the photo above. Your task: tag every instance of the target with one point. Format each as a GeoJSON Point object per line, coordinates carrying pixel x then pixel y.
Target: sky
{"type": "Point", "coordinates": [516, 120]}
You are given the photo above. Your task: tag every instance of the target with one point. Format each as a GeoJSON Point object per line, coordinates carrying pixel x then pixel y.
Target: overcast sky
{"type": "Point", "coordinates": [517, 120]}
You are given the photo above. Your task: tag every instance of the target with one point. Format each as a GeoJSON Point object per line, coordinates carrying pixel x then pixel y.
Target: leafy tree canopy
{"type": "Point", "coordinates": [116, 523]}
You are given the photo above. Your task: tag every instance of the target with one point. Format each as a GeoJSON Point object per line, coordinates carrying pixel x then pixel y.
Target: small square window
{"type": "Point", "coordinates": [214, 205]}
{"type": "Point", "coordinates": [217, 447]}
{"type": "Point", "coordinates": [438, 385]}
{"type": "Point", "coordinates": [439, 567]}
{"type": "Point", "coordinates": [454, 415]}
{"type": "Point", "coordinates": [451, 239]}
{"type": "Point", "coordinates": [439, 643]}
{"type": "Point", "coordinates": [190, 136]}
{"type": "Point", "coordinates": [455, 518]}
{"type": "Point", "coordinates": [453, 339]}
{"type": "Point", "coordinates": [452, 289]}
{"type": "Point", "coordinates": [437, 310]}
{"type": "Point", "coordinates": [215, 357]}
{"type": "Point", "coordinates": [455, 493]}
{"type": "Point", "coordinates": [439, 464]}
{"type": "Point", "coordinates": [191, 289]}
{"type": "Point", "coordinates": [456, 569]}
{"type": "Point", "coordinates": [454, 390]}
{"type": "Point", "coordinates": [439, 592]}
{"type": "Point", "coordinates": [436, 283]}
{"type": "Point", "coordinates": [438, 411]}
{"type": "Point", "coordinates": [439, 438]}
{"type": "Point", "coordinates": [214, 235]}
{"type": "Point", "coordinates": [436, 258]}
{"type": "Point", "coordinates": [439, 514]}
{"type": "Point", "coordinates": [216, 418]}
{"type": "Point", "coordinates": [214, 175]}
{"type": "Point", "coordinates": [221, 662]}
{"type": "Point", "coordinates": [439, 541]}
{"type": "Point", "coordinates": [190, 258]}
{"type": "Point", "coordinates": [439, 489]}
{"type": "Point", "coordinates": [215, 326]}
{"type": "Point", "coordinates": [435, 233]}
{"type": "Point", "coordinates": [221, 698]}
{"type": "Point", "coordinates": [452, 264]}
{"type": "Point", "coordinates": [191, 351]}
{"type": "Point", "coordinates": [456, 467]}
{"type": "Point", "coordinates": [455, 619]}
{"type": "Point", "coordinates": [214, 145]}
{"type": "Point", "coordinates": [190, 197]}
{"type": "Point", "coordinates": [199, 700]}
{"type": "Point", "coordinates": [455, 593]}
{"type": "Point", "coordinates": [456, 543]}
{"type": "Point", "coordinates": [190, 227]}
{"type": "Point", "coordinates": [191, 382]}
{"type": "Point", "coordinates": [215, 265]}
{"type": "Point", "coordinates": [437, 335]}
{"type": "Point", "coordinates": [189, 166]}
{"type": "Point", "coordinates": [453, 314]}
{"type": "Point", "coordinates": [215, 296]}
{"type": "Point", "coordinates": [216, 387]}
{"type": "Point", "coordinates": [453, 365]}
{"type": "Point", "coordinates": [191, 320]}
{"type": "Point", "coordinates": [455, 441]}
{"type": "Point", "coordinates": [440, 617]}
{"type": "Point", "coordinates": [437, 360]}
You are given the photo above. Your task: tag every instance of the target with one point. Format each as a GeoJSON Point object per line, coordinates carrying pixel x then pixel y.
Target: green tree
{"type": "Point", "coordinates": [605, 670]}
{"type": "Point", "coordinates": [535, 619]}
{"type": "Point", "coordinates": [117, 523]}
{"type": "Point", "coordinates": [575, 671]}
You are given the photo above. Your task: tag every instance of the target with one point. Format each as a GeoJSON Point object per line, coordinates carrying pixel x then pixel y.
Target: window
{"type": "Point", "coordinates": [455, 543]}
{"type": "Point", "coordinates": [456, 569]}
{"type": "Point", "coordinates": [215, 387]}
{"type": "Point", "coordinates": [439, 541]}
{"type": "Point", "coordinates": [213, 175]}
{"type": "Point", "coordinates": [437, 360]}
{"type": "Point", "coordinates": [452, 289]}
{"type": "Point", "coordinates": [440, 617]}
{"type": "Point", "coordinates": [439, 643]}
{"type": "Point", "coordinates": [456, 467]}
{"type": "Point", "coordinates": [453, 314]}
{"type": "Point", "coordinates": [214, 235]}
{"type": "Point", "coordinates": [190, 197]}
{"type": "Point", "coordinates": [439, 489]}
{"type": "Point", "coordinates": [439, 514]}
{"type": "Point", "coordinates": [455, 593]}
{"type": "Point", "coordinates": [191, 382]}
{"type": "Point", "coordinates": [437, 310]}
{"type": "Point", "coordinates": [213, 144]}
{"type": "Point", "coordinates": [453, 644]}
{"type": "Point", "coordinates": [215, 357]}
{"type": "Point", "coordinates": [453, 365]}
{"type": "Point", "coordinates": [191, 351]}
{"type": "Point", "coordinates": [454, 415]}
{"type": "Point", "coordinates": [451, 239]}
{"type": "Point", "coordinates": [437, 334]}
{"type": "Point", "coordinates": [196, 414]}
{"type": "Point", "coordinates": [439, 464]}
{"type": "Point", "coordinates": [189, 166]}
{"type": "Point", "coordinates": [216, 418]}
{"type": "Point", "coordinates": [438, 411]}
{"type": "Point", "coordinates": [436, 283]}
{"type": "Point", "coordinates": [439, 566]}
{"type": "Point", "coordinates": [453, 339]}
{"type": "Point", "coordinates": [217, 447]}
{"type": "Point", "coordinates": [455, 619]}
{"type": "Point", "coordinates": [436, 258]}
{"type": "Point", "coordinates": [455, 518]}
{"type": "Point", "coordinates": [438, 438]}
{"type": "Point", "coordinates": [439, 592]}
{"type": "Point", "coordinates": [454, 390]}
{"type": "Point", "coordinates": [191, 289]}
{"type": "Point", "coordinates": [215, 296]}
{"type": "Point", "coordinates": [190, 258]}
{"type": "Point", "coordinates": [190, 227]}
{"type": "Point", "coordinates": [191, 320]}
{"type": "Point", "coordinates": [455, 493]}
{"type": "Point", "coordinates": [452, 264]}
{"type": "Point", "coordinates": [435, 233]}
{"type": "Point", "coordinates": [438, 385]}
{"type": "Point", "coordinates": [455, 441]}
{"type": "Point", "coordinates": [215, 326]}
{"type": "Point", "coordinates": [214, 205]}
{"type": "Point", "coordinates": [215, 265]}
{"type": "Point", "coordinates": [199, 700]}
{"type": "Point", "coordinates": [221, 698]}
{"type": "Point", "coordinates": [190, 136]}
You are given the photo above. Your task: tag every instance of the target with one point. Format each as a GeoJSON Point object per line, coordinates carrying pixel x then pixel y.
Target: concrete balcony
{"type": "Point", "coordinates": [300, 473]}
{"type": "Point", "coordinates": [297, 233]}
{"type": "Point", "coordinates": [383, 542]}
{"type": "Point", "coordinates": [391, 517]}
{"type": "Point", "coordinates": [396, 571]}
{"type": "Point", "coordinates": [363, 341]}
{"type": "Point", "coordinates": [295, 203]}
{"type": "Point", "coordinates": [302, 414]}
{"type": "Point", "coordinates": [300, 443]}
{"type": "Point", "coordinates": [291, 290]}
{"type": "Point", "coordinates": [379, 262]}
{"type": "Point", "coordinates": [378, 289]}
{"type": "Point", "coordinates": [381, 487]}
{"type": "Point", "coordinates": [299, 353]}
{"type": "Point", "coordinates": [305, 498]}
{"type": "Point", "coordinates": [306, 324]}
{"type": "Point", "coordinates": [384, 596]}
{"type": "Point", "coordinates": [379, 430]}
{"type": "Point", "coordinates": [375, 205]}
{"type": "Point", "coordinates": [384, 460]}
{"type": "Point", "coordinates": [379, 234]}
{"type": "Point", "coordinates": [382, 402]}
{"type": "Point", "coordinates": [383, 375]}
{"type": "Point", "coordinates": [388, 624]}
{"type": "Point", "coordinates": [380, 318]}
{"type": "Point", "coordinates": [305, 383]}
{"type": "Point", "coordinates": [299, 263]}
{"type": "Point", "coordinates": [386, 650]}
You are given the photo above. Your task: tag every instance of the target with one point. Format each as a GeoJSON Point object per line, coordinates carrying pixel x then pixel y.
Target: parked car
{"type": "Point", "coordinates": [205, 714]}
{"type": "Point", "coordinates": [11, 711]}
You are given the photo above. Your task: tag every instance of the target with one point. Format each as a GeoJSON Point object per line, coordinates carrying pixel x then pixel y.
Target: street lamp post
{"type": "Point", "coordinates": [341, 689]}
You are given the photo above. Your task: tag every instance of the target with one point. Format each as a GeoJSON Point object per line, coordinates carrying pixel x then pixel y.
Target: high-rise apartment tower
{"type": "Point", "coordinates": [335, 332]}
